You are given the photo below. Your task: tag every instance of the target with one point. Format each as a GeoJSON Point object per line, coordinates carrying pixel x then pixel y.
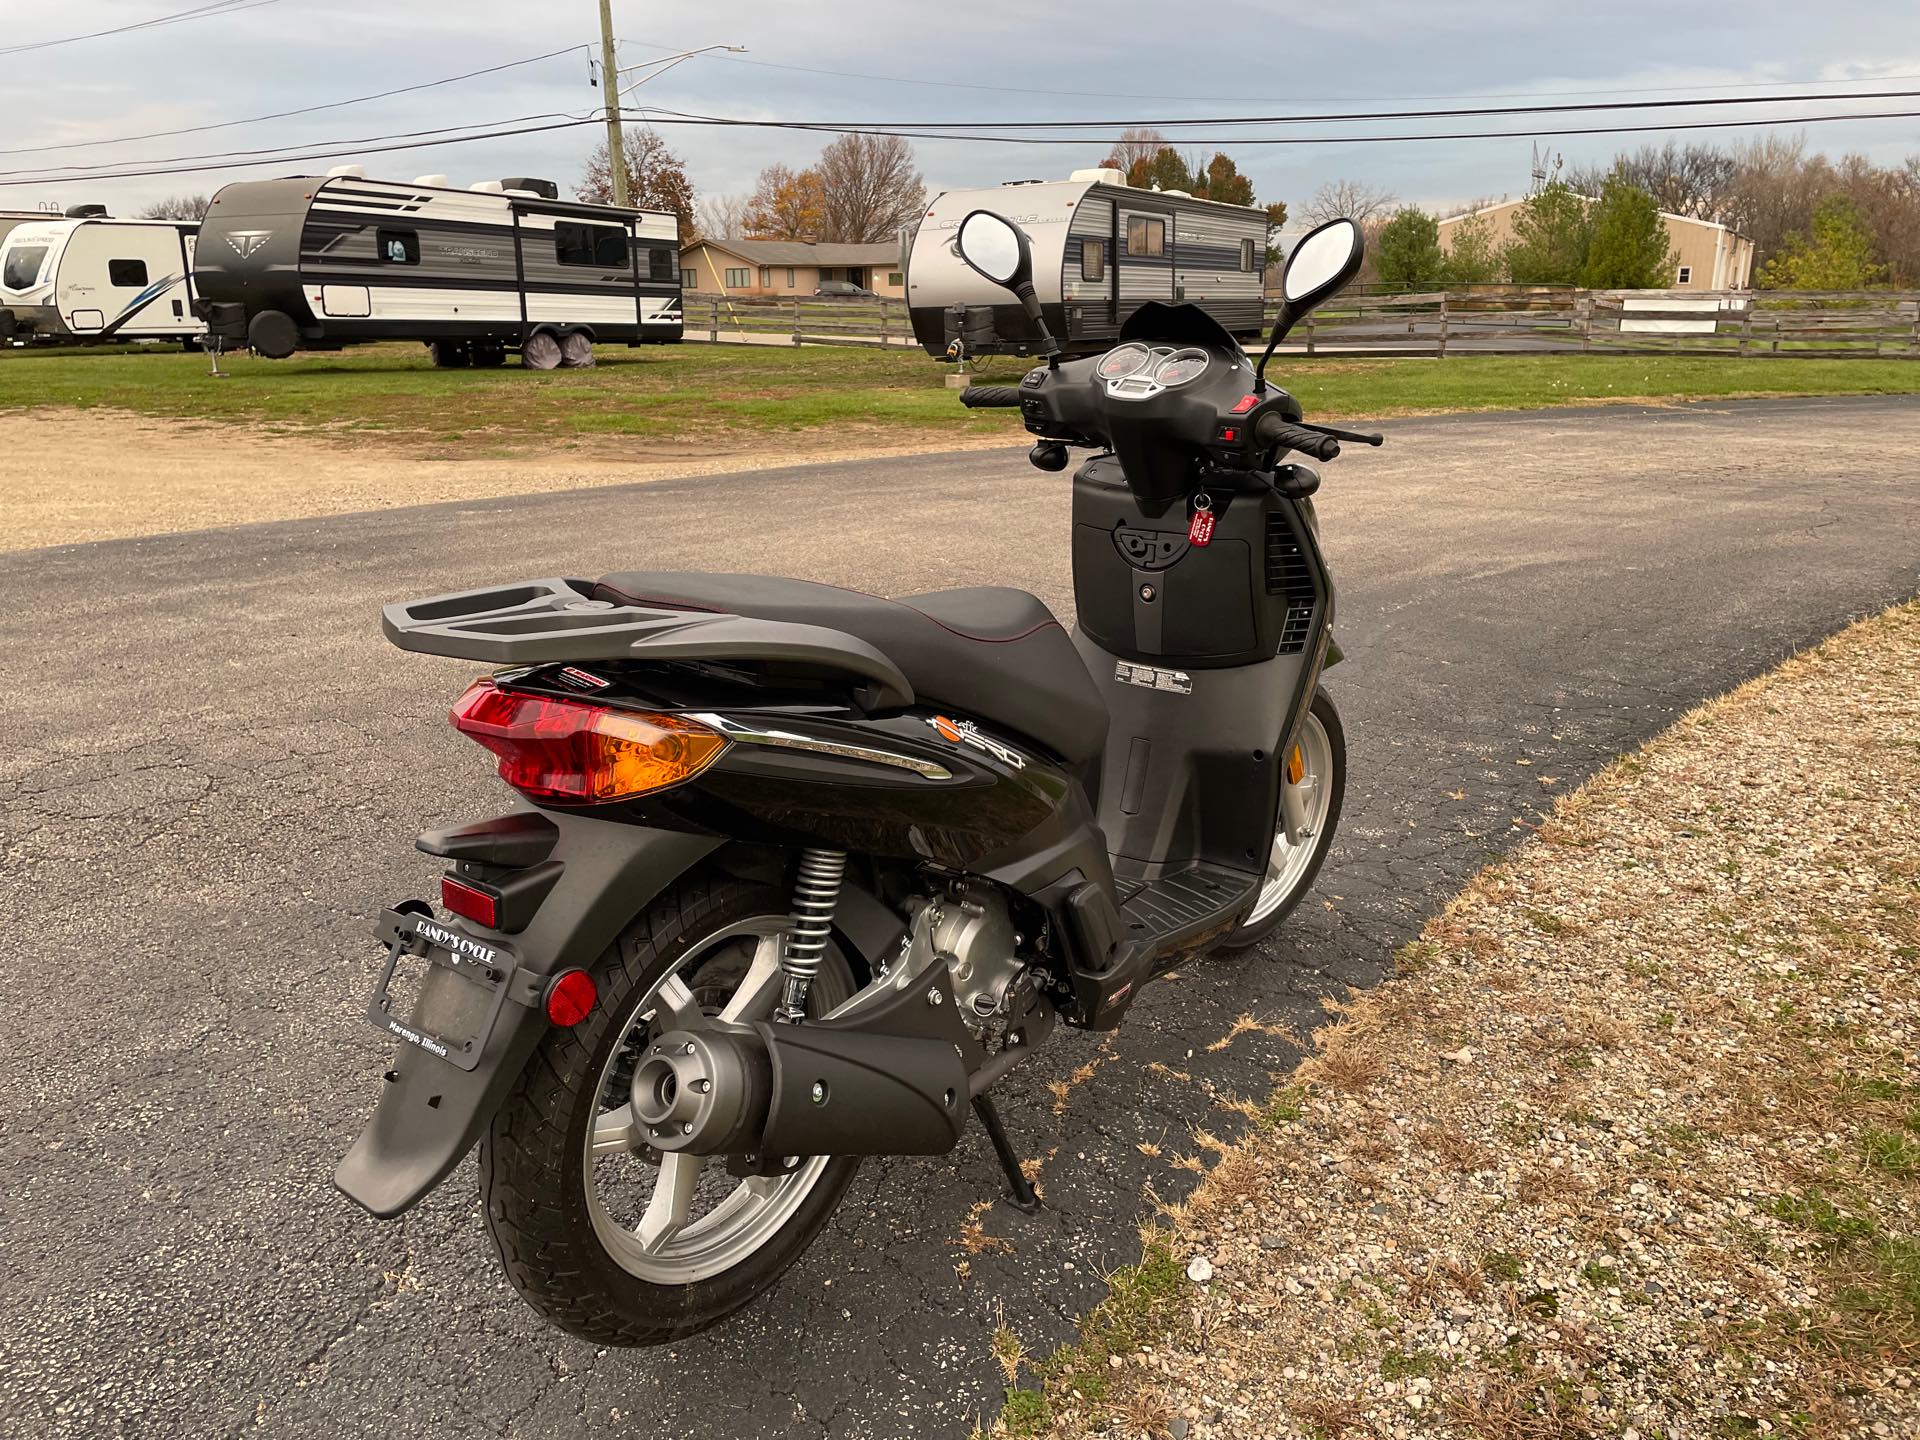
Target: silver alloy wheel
{"type": "Point", "coordinates": [1288, 863]}
{"type": "Point", "coordinates": [693, 1220]}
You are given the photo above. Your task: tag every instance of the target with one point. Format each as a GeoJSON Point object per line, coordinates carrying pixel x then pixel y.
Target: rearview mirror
{"type": "Point", "coordinates": [997, 248]}
{"type": "Point", "coordinates": [1323, 261]}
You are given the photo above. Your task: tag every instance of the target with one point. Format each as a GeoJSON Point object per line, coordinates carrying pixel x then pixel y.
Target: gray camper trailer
{"type": "Point", "coordinates": [1101, 249]}
{"type": "Point", "coordinates": [315, 262]}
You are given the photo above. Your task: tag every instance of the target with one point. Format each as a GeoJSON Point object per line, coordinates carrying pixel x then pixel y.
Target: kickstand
{"type": "Point", "coordinates": [1020, 1193]}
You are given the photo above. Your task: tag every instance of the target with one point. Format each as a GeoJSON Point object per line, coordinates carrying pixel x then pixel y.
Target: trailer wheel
{"type": "Point", "coordinates": [273, 334]}
{"type": "Point", "coordinates": [540, 350]}
{"type": "Point", "coordinates": [449, 354]}
{"type": "Point", "coordinates": [576, 350]}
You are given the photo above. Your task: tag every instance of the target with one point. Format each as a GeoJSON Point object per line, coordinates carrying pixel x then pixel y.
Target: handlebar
{"type": "Point", "coordinates": [1276, 430]}
{"type": "Point", "coordinates": [991, 397]}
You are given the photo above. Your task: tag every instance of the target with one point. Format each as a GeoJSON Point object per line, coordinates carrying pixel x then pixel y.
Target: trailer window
{"type": "Point", "coordinates": [1093, 259]}
{"type": "Point", "coordinates": [659, 263]}
{"type": "Point", "coordinates": [400, 247]}
{"type": "Point", "coordinates": [1246, 257]}
{"type": "Point", "coordinates": [23, 266]}
{"type": "Point", "coordinates": [127, 274]}
{"type": "Point", "coordinates": [1146, 235]}
{"type": "Point", "coordinates": [601, 245]}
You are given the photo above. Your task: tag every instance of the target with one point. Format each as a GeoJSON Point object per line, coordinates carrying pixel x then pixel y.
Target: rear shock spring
{"type": "Point", "coordinates": [816, 892]}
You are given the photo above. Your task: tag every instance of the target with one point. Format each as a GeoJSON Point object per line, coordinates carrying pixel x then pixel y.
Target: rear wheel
{"type": "Point", "coordinates": [1293, 865]}
{"type": "Point", "coordinates": [576, 350]}
{"type": "Point", "coordinates": [449, 354]}
{"type": "Point", "coordinates": [609, 1239]}
{"type": "Point", "coordinates": [540, 350]}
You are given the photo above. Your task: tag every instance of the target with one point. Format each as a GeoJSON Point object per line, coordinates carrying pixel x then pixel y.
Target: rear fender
{"type": "Point", "coordinates": [430, 1112]}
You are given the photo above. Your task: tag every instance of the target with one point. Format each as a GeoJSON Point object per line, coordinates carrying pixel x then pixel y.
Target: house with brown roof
{"type": "Point", "coordinates": [773, 268]}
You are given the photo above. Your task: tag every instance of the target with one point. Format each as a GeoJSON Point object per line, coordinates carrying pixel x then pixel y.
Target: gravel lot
{"type": "Point", "coordinates": [1629, 1146]}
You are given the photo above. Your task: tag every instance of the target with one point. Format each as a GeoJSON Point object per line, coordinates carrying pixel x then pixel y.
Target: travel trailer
{"type": "Point", "coordinates": [87, 277]}
{"type": "Point", "coordinates": [316, 262]}
{"type": "Point", "coordinates": [1101, 249]}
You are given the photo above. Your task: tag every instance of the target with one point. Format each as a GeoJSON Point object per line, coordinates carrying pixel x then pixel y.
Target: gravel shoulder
{"type": "Point", "coordinates": [1629, 1146]}
{"type": "Point", "coordinates": [69, 477]}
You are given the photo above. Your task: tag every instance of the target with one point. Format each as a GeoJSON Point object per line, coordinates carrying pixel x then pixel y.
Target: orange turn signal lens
{"type": "Point", "coordinates": [571, 752]}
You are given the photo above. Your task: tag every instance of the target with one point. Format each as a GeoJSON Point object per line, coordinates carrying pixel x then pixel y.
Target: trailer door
{"type": "Point", "coordinates": [1145, 259]}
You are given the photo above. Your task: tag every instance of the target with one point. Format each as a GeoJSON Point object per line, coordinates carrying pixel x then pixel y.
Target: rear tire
{"type": "Point", "coordinates": [449, 354]}
{"type": "Point", "coordinates": [535, 1171]}
{"type": "Point", "coordinates": [1291, 872]}
{"type": "Point", "coordinates": [576, 350]}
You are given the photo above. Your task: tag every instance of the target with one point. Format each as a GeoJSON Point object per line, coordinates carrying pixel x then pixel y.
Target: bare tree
{"type": "Point", "coordinates": [1134, 145]}
{"type": "Point", "coordinates": [869, 189]}
{"type": "Point", "coordinates": [1695, 180]}
{"type": "Point", "coordinates": [1348, 199]}
{"type": "Point", "coordinates": [721, 217]}
{"type": "Point", "coordinates": [178, 207]}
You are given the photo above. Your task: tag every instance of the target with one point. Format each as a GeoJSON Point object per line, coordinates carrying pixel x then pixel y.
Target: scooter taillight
{"type": "Point", "coordinates": [571, 752]}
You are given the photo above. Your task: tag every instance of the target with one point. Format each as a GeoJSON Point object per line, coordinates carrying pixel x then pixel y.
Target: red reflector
{"type": "Point", "coordinates": [570, 997]}
{"type": "Point", "coordinates": [1245, 403]}
{"type": "Point", "coordinates": [1227, 432]}
{"type": "Point", "coordinates": [464, 900]}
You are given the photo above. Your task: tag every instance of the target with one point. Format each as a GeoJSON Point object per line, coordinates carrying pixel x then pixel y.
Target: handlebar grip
{"type": "Point", "coordinates": [991, 397]}
{"type": "Point", "coordinates": [1275, 430]}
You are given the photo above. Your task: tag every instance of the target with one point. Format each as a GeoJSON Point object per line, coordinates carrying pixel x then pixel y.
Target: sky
{"type": "Point", "coordinates": [986, 60]}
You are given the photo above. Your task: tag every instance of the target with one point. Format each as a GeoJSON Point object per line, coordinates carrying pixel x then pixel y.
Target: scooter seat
{"type": "Point", "coordinates": [991, 652]}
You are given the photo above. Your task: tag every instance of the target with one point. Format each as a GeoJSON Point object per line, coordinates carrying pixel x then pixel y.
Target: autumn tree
{"type": "Point", "coordinates": [1407, 252]}
{"type": "Point", "coordinates": [1838, 256]}
{"type": "Point", "coordinates": [787, 204]}
{"type": "Point", "coordinates": [1134, 145]}
{"type": "Point", "coordinates": [1683, 179]}
{"type": "Point", "coordinates": [1627, 245]}
{"type": "Point", "coordinates": [178, 207]}
{"type": "Point", "coordinates": [656, 178]}
{"type": "Point", "coordinates": [869, 189]}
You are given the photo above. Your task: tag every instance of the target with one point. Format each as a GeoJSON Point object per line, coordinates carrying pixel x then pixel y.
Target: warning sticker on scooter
{"type": "Point", "coordinates": [1150, 677]}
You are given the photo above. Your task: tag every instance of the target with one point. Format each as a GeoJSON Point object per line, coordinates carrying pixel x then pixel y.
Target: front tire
{"type": "Point", "coordinates": [1291, 868]}
{"type": "Point", "coordinates": [564, 1200]}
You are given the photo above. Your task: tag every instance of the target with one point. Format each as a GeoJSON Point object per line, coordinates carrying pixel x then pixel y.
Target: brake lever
{"type": "Point", "coordinates": [1354, 435]}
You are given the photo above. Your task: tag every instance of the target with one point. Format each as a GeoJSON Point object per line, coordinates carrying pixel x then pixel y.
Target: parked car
{"type": "Point", "coordinates": [843, 290]}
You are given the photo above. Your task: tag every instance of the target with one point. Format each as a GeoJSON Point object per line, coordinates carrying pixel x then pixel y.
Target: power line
{"type": "Point", "coordinates": [907, 127]}
{"type": "Point", "coordinates": [1268, 99]}
{"type": "Point", "coordinates": [288, 114]}
{"type": "Point", "coordinates": [198, 12]}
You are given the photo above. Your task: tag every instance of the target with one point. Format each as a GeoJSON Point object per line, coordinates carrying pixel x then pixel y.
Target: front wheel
{"type": "Point", "coordinates": [1292, 866]}
{"type": "Point", "coordinates": [604, 1236]}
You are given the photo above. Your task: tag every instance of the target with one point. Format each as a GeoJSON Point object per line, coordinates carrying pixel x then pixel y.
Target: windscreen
{"type": "Point", "coordinates": [1179, 324]}
{"type": "Point", "coordinates": [22, 266]}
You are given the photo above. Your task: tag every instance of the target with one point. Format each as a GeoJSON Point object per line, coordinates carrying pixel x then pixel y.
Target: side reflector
{"type": "Point", "coordinates": [570, 997]}
{"type": "Point", "coordinates": [465, 900]}
{"type": "Point", "coordinates": [1296, 766]}
{"type": "Point", "coordinates": [575, 752]}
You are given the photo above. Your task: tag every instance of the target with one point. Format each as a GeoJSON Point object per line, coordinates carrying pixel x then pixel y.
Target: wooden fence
{"type": "Point", "coordinates": [1485, 320]}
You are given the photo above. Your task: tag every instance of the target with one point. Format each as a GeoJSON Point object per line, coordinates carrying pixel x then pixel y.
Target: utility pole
{"type": "Point", "coordinates": [610, 85]}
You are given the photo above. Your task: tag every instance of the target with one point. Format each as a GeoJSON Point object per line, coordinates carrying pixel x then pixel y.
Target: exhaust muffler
{"type": "Point", "coordinates": [799, 1090]}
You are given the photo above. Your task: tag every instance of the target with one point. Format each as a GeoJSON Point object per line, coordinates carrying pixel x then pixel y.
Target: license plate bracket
{"type": "Point", "coordinates": [411, 936]}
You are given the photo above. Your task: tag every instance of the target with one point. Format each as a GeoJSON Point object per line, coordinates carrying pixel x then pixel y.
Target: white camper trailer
{"type": "Point", "coordinates": [90, 277]}
{"type": "Point", "coordinates": [316, 262]}
{"type": "Point", "coordinates": [1101, 249]}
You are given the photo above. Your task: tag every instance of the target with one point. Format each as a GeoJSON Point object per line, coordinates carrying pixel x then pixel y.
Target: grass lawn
{"type": "Point", "coordinates": [691, 390]}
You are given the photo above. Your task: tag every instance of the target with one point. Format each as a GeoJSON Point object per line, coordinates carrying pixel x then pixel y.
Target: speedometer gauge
{"type": "Point", "coordinates": [1123, 360]}
{"type": "Point", "coordinates": [1181, 366]}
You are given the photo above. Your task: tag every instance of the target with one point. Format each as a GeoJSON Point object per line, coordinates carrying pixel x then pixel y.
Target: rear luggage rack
{"type": "Point", "coordinates": [541, 622]}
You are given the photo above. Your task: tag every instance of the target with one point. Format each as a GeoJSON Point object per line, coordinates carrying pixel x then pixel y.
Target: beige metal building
{"type": "Point", "coordinates": [787, 267]}
{"type": "Point", "coordinates": [1710, 256]}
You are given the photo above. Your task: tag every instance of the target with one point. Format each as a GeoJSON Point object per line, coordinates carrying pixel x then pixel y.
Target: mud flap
{"type": "Point", "coordinates": [430, 1112]}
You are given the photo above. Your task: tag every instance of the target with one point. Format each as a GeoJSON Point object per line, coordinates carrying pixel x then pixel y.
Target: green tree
{"type": "Point", "coordinates": [1551, 232]}
{"type": "Point", "coordinates": [1627, 246]}
{"type": "Point", "coordinates": [1407, 251]}
{"type": "Point", "coordinates": [1838, 257]}
{"type": "Point", "coordinates": [1473, 258]}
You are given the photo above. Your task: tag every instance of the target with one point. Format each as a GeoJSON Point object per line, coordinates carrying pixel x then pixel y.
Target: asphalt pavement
{"type": "Point", "coordinates": [214, 767]}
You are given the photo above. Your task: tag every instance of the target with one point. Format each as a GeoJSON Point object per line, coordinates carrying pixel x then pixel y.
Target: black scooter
{"type": "Point", "coordinates": [806, 871]}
